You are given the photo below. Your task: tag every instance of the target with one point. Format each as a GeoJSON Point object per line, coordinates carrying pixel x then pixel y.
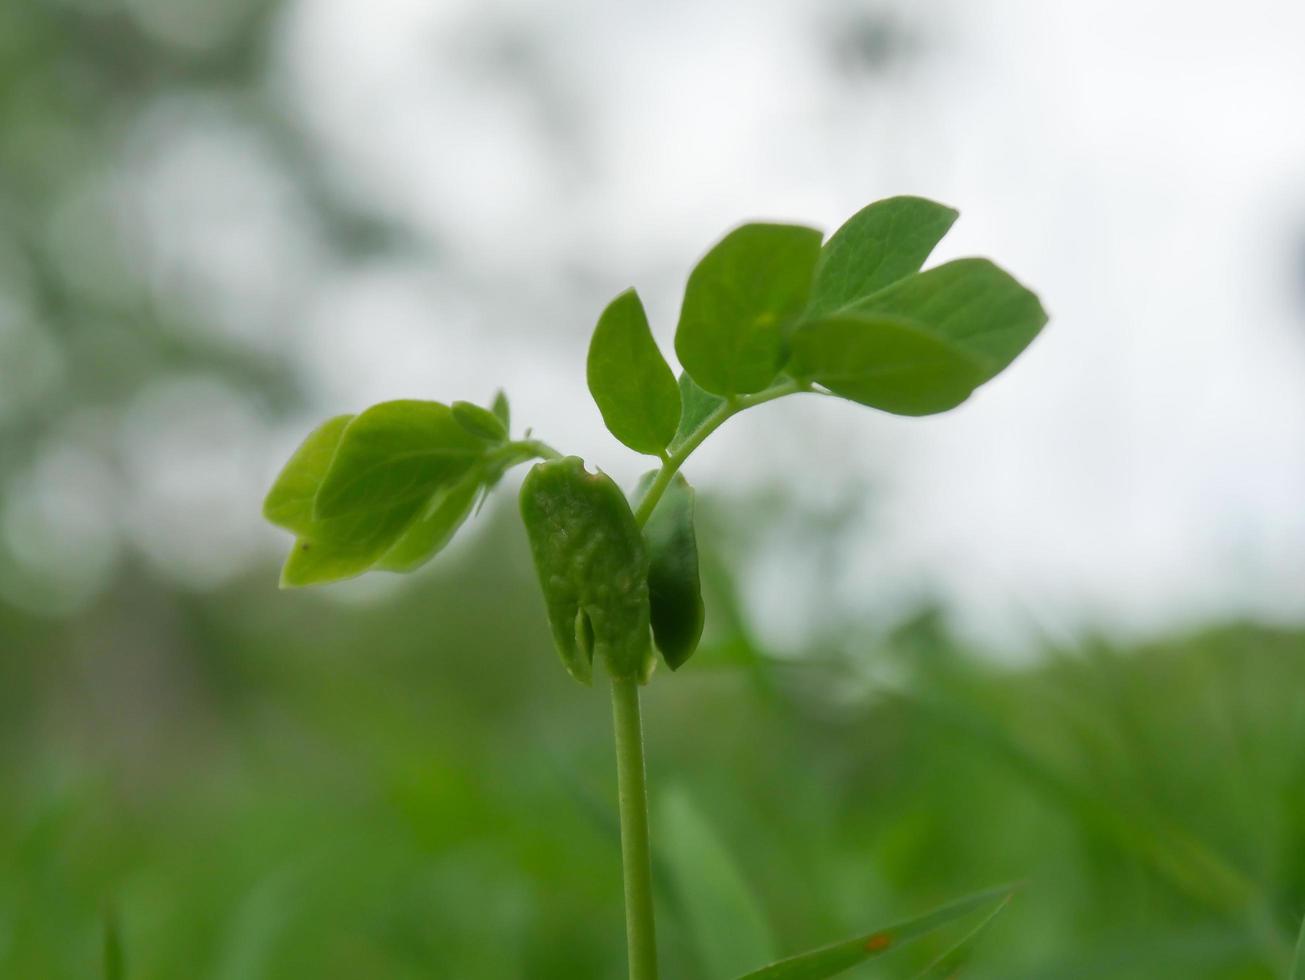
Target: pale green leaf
{"type": "Point", "coordinates": [394, 452]}
{"type": "Point", "coordinates": [878, 245]}
{"type": "Point", "coordinates": [289, 504]}
{"type": "Point", "coordinates": [629, 379]}
{"type": "Point", "coordinates": [885, 362]}
{"type": "Point", "coordinates": [739, 302]}
{"type": "Point", "coordinates": [342, 547]}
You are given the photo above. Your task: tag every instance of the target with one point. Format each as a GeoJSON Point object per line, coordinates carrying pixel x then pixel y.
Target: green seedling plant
{"type": "Point", "coordinates": [770, 311]}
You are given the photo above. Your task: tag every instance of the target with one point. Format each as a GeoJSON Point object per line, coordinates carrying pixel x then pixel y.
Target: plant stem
{"type": "Point", "coordinates": [636, 851]}
{"type": "Point", "coordinates": [631, 778]}
{"type": "Point", "coordinates": [672, 463]}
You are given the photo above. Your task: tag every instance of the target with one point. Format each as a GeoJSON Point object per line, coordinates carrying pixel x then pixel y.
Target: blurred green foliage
{"type": "Point", "coordinates": [275, 785]}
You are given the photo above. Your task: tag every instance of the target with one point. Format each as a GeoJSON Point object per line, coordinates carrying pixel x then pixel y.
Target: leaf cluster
{"type": "Point", "coordinates": [770, 310]}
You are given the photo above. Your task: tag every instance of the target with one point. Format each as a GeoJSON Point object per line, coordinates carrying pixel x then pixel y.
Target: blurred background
{"type": "Point", "coordinates": [1056, 635]}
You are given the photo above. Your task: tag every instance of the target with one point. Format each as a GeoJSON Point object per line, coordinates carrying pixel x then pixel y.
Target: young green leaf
{"type": "Point", "coordinates": [674, 588]}
{"type": "Point", "coordinates": [336, 548]}
{"type": "Point", "coordinates": [501, 409]}
{"type": "Point", "coordinates": [289, 504]}
{"type": "Point", "coordinates": [395, 452]}
{"type": "Point", "coordinates": [885, 362]}
{"type": "Point", "coordinates": [592, 566]}
{"type": "Point", "coordinates": [434, 527]}
{"type": "Point", "coordinates": [342, 547]}
{"type": "Point", "coordinates": [726, 922]}
{"type": "Point", "coordinates": [970, 303]}
{"type": "Point", "coordinates": [738, 303]}
{"type": "Point", "coordinates": [629, 379]}
{"type": "Point", "coordinates": [695, 406]}
{"type": "Point", "coordinates": [829, 961]}
{"type": "Point", "coordinates": [878, 245]}
{"type": "Point", "coordinates": [479, 422]}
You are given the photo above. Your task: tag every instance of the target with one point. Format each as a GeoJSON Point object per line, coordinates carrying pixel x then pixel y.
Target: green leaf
{"type": "Point", "coordinates": [674, 587]}
{"type": "Point", "coordinates": [336, 548]}
{"type": "Point", "coordinates": [395, 452]}
{"type": "Point", "coordinates": [695, 406]}
{"type": "Point", "coordinates": [885, 362]}
{"type": "Point", "coordinates": [434, 527]}
{"type": "Point", "coordinates": [948, 966]}
{"type": "Point", "coordinates": [729, 928]}
{"type": "Point", "coordinates": [970, 303]}
{"type": "Point", "coordinates": [289, 504]}
{"type": "Point", "coordinates": [877, 246]}
{"type": "Point", "coordinates": [1298, 960]}
{"type": "Point", "coordinates": [590, 558]}
{"type": "Point", "coordinates": [829, 961]}
{"type": "Point", "coordinates": [631, 382]}
{"type": "Point", "coordinates": [479, 422]}
{"type": "Point", "coordinates": [738, 304]}
{"type": "Point", "coordinates": [342, 547]}
{"type": "Point", "coordinates": [501, 409]}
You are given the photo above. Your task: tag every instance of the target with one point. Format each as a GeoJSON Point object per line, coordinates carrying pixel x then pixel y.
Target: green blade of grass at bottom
{"type": "Point", "coordinates": [828, 961]}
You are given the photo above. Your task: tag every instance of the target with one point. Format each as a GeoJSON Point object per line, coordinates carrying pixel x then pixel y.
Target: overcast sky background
{"type": "Point", "coordinates": [1140, 165]}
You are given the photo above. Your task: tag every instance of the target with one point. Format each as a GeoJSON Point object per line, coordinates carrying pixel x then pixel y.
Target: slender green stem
{"type": "Point", "coordinates": [632, 784]}
{"type": "Point", "coordinates": [636, 850]}
{"type": "Point", "coordinates": [672, 462]}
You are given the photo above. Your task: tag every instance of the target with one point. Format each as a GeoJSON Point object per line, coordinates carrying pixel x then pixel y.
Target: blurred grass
{"type": "Point", "coordinates": [271, 785]}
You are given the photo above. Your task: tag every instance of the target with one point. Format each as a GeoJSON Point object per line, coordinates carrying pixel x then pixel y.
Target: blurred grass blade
{"type": "Point", "coordinates": [1298, 960]}
{"type": "Point", "coordinates": [832, 960]}
{"type": "Point", "coordinates": [729, 928]}
{"type": "Point", "coordinates": [949, 964]}
{"type": "Point", "coordinates": [115, 960]}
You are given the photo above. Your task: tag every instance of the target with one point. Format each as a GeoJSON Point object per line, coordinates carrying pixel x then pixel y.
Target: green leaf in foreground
{"type": "Point", "coordinates": [426, 536]}
{"type": "Point", "coordinates": [395, 452]}
{"type": "Point", "coordinates": [336, 548]}
{"type": "Point", "coordinates": [629, 379]}
{"type": "Point", "coordinates": [829, 961]}
{"type": "Point", "coordinates": [971, 304]}
{"type": "Point", "coordinates": [592, 566]}
{"type": "Point", "coordinates": [738, 302]}
{"type": "Point", "coordinates": [1298, 959]}
{"type": "Point", "coordinates": [674, 587]}
{"type": "Point", "coordinates": [289, 504]}
{"type": "Point", "coordinates": [480, 422]}
{"type": "Point", "coordinates": [885, 362]}
{"type": "Point", "coordinates": [878, 245]}
{"type": "Point", "coordinates": [729, 928]}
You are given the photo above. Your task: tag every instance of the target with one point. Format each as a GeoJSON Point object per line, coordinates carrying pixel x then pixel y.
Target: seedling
{"type": "Point", "coordinates": [768, 312]}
